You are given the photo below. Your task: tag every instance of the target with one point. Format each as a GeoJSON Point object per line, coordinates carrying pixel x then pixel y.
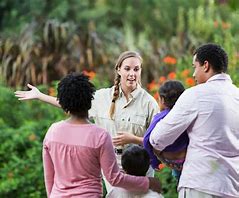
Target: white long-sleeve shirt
{"type": "Point", "coordinates": [210, 114]}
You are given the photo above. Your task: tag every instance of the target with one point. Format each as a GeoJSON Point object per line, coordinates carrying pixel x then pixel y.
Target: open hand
{"type": "Point", "coordinates": [34, 93]}
{"type": "Point", "coordinates": [123, 138]}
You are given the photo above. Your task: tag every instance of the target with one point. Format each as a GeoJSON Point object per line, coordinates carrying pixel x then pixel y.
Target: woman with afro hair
{"type": "Point", "coordinates": [75, 150]}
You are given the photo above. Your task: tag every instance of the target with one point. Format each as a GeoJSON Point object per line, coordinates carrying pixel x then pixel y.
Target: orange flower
{"type": "Point", "coordinates": [152, 86]}
{"type": "Point", "coordinates": [185, 73]}
{"type": "Point", "coordinates": [170, 60]}
{"type": "Point", "coordinates": [215, 24]}
{"type": "Point", "coordinates": [90, 74]}
{"type": "Point", "coordinates": [156, 96]}
{"type": "Point", "coordinates": [190, 82]}
{"type": "Point", "coordinates": [51, 91]}
{"type": "Point", "coordinates": [162, 79]}
{"type": "Point", "coordinates": [172, 75]}
{"type": "Point", "coordinates": [225, 25]}
{"type": "Point", "coordinates": [161, 166]}
{"type": "Point", "coordinates": [32, 137]}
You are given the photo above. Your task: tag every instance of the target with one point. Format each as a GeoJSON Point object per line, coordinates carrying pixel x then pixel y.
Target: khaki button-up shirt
{"type": "Point", "coordinates": [132, 116]}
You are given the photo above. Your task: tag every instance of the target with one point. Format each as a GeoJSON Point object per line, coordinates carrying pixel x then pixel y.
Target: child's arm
{"type": "Point", "coordinates": [34, 93]}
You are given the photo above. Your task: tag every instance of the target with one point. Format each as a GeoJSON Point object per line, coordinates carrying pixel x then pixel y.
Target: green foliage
{"type": "Point", "coordinates": [73, 35]}
{"type": "Point", "coordinates": [21, 171]}
{"type": "Point", "coordinates": [22, 128]}
{"type": "Point", "coordinates": [169, 183]}
{"type": "Point", "coordinates": [43, 40]}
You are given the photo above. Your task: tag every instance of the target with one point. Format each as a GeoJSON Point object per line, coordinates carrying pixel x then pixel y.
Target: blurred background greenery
{"type": "Point", "coordinates": [43, 40]}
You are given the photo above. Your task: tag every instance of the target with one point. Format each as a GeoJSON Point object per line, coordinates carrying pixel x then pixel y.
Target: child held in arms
{"type": "Point", "coordinates": [173, 155]}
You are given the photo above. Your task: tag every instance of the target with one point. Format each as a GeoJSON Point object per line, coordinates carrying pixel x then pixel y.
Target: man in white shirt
{"type": "Point", "coordinates": [210, 114]}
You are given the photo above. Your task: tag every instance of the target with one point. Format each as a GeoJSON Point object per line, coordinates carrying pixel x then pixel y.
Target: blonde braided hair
{"type": "Point", "coordinates": [122, 57]}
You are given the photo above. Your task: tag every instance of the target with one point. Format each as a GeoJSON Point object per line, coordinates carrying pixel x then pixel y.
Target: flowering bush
{"type": "Point", "coordinates": [184, 76]}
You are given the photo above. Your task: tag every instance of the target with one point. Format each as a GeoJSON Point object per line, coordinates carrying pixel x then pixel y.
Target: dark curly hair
{"type": "Point", "coordinates": [214, 54]}
{"type": "Point", "coordinates": [170, 91]}
{"type": "Point", "coordinates": [75, 93]}
{"type": "Point", "coordinates": [135, 160]}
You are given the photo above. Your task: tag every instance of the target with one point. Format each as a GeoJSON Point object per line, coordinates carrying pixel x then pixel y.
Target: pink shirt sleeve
{"type": "Point", "coordinates": [112, 172]}
{"type": "Point", "coordinates": [48, 168]}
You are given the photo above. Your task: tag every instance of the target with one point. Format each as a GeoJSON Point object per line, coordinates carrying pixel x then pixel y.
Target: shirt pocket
{"type": "Point", "coordinates": [139, 119]}
{"type": "Point", "coordinates": [138, 123]}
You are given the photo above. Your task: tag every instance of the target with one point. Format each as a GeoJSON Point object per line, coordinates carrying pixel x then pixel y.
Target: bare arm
{"type": "Point", "coordinates": [34, 93]}
{"type": "Point", "coordinates": [117, 178]}
{"type": "Point", "coordinates": [123, 138]}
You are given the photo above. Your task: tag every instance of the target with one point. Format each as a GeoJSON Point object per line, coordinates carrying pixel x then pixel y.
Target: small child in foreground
{"type": "Point", "coordinates": [135, 161]}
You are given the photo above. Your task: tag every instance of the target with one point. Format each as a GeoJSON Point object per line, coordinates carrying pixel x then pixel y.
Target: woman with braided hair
{"type": "Point", "coordinates": [124, 110]}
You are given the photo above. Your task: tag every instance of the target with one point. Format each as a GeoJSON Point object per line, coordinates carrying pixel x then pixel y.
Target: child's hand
{"type": "Point", "coordinates": [155, 185]}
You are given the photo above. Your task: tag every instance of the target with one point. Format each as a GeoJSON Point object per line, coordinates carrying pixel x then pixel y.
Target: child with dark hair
{"type": "Point", "coordinates": [173, 155]}
{"type": "Point", "coordinates": [135, 161]}
{"type": "Point", "coordinates": [75, 151]}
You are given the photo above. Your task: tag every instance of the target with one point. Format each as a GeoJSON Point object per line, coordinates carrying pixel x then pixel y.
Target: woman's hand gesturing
{"type": "Point", "coordinates": [34, 93]}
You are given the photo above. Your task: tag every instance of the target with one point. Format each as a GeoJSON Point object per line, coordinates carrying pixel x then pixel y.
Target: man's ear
{"type": "Point", "coordinates": [162, 99]}
{"type": "Point", "coordinates": [206, 66]}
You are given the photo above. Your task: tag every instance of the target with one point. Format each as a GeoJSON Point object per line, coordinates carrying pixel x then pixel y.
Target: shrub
{"type": "Point", "coordinates": [22, 128]}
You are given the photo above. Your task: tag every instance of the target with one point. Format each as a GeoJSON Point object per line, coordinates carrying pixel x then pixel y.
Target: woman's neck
{"type": "Point", "coordinates": [127, 91]}
{"type": "Point", "coordinates": [77, 120]}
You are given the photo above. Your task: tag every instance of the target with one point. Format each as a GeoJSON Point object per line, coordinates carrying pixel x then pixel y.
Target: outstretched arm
{"type": "Point", "coordinates": [34, 93]}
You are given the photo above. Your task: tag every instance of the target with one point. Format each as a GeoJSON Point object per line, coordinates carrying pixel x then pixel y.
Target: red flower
{"type": "Point", "coordinates": [170, 60]}
{"type": "Point", "coordinates": [172, 75]}
{"type": "Point", "coordinates": [156, 96]}
{"type": "Point", "coordinates": [185, 73]}
{"type": "Point", "coordinates": [161, 166]}
{"type": "Point", "coordinates": [162, 79]}
{"type": "Point", "coordinates": [152, 86]}
{"type": "Point", "coordinates": [190, 82]}
{"type": "Point", "coordinates": [90, 74]}
{"type": "Point", "coordinates": [51, 91]}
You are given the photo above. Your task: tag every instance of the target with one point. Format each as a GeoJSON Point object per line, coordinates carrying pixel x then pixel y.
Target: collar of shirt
{"type": "Point", "coordinates": [133, 95]}
{"type": "Point", "coordinates": [222, 76]}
